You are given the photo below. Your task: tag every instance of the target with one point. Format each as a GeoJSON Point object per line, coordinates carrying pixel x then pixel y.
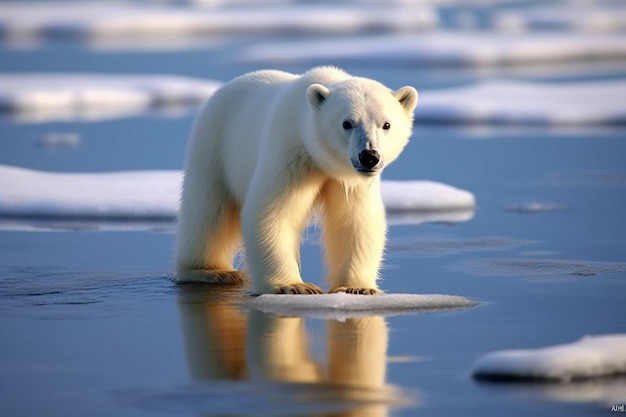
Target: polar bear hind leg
{"type": "Point", "coordinates": [213, 238]}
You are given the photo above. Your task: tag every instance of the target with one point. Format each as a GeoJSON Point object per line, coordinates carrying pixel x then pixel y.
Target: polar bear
{"type": "Point", "coordinates": [270, 149]}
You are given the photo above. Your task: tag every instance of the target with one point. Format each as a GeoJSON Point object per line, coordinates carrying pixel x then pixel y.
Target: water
{"type": "Point", "coordinates": [92, 325]}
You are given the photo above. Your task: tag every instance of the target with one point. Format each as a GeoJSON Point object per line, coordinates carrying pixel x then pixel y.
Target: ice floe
{"type": "Point", "coordinates": [589, 357]}
{"type": "Point", "coordinates": [432, 196]}
{"type": "Point", "coordinates": [526, 103]}
{"type": "Point", "coordinates": [342, 305]}
{"type": "Point", "coordinates": [97, 19]}
{"type": "Point", "coordinates": [582, 18]}
{"type": "Point", "coordinates": [144, 195]}
{"type": "Point", "coordinates": [107, 195]}
{"type": "Point", "coordinates": [454, 48]}
{"type": "Point", "coordinates": [64, 96]}
{"type": "Point", "coordinates": [45, 97]}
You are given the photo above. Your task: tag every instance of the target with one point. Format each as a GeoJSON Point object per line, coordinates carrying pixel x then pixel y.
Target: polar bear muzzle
{"type": "Point", "coordinates": [369, 158]}
{"type": "Point", "coordinates": [368, 162]}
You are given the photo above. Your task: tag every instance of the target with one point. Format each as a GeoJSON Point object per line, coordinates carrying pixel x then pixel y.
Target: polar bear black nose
{"type": "Point", "coordinates": [369, 158]}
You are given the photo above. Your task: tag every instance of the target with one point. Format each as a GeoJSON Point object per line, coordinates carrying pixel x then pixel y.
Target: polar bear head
{"type": "Point", "coordinates": [359, 125]}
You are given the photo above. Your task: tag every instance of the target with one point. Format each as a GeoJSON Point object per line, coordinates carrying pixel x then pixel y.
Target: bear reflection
{"type": "Point", "coordinates": [225, 342]}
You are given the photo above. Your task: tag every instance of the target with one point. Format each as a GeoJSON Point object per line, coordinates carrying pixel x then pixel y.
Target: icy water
{"type": "Point", "coordinates": [91, 324]}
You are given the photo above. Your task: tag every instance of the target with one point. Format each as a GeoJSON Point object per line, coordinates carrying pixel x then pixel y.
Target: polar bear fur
{"type": "Point", "coordinates": [267, 150]}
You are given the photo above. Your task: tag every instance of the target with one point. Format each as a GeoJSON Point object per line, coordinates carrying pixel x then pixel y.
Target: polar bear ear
{"type": "Point", "coordinates": [317, 94]}
{"type": "Point", "coordinates": [407, 96]}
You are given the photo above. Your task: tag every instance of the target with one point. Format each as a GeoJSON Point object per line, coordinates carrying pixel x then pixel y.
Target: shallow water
{"type": "Point", "coordinates": [92, 325]}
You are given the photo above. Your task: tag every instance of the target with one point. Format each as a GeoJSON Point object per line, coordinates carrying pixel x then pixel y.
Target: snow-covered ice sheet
{"type": "Point", "coordinates": [526, 103]}
{"type": "Point", "coordinates": [142, 195]}
{"type": "Point", "coordinates": [589, 357]}
{"type": "Point", "coordinates": [66, 96]}
{"type": "Point", "coordinates": [93, 19]}
{"type": "Point", "coordinates": [442, 48]}
{"type": "Point", "coordinates": [342, 305]}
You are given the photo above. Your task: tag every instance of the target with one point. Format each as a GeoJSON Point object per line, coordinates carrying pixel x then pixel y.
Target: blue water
{"type": "Point", "coordinates": [92, 325]}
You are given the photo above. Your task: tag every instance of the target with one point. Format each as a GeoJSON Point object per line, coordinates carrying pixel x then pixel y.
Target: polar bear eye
{"type": "Point", "coordinates": [346, 125]}
{"type": "Point", "coordinates": [387, 126]}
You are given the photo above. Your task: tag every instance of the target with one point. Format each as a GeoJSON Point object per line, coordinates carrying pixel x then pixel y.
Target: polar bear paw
{"type": "Point", "coordinates": [299, 288]}
{"type": "Point", "coordinates": [212, 276]}
{"type": "Point", "coordinates": [353, 290]}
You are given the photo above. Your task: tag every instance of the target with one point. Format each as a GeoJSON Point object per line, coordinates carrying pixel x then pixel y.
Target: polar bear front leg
{"type": "Point", "coordinates": [273, 217]}
{"type": "Point", "coordinates": [354, 236]}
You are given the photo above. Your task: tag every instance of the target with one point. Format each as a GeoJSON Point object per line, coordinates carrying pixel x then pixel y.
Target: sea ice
{"type": "Point", "coordinates": [432, 196]}
{"type": "Point", "coordinates": [43, 97]}
{"type": "Point", "coordinates": [454, 48]}
{"type": "Point", "coordinates": [342, 305]}
{"type": "Point", "coordinates": [98, 19]}
{"type": "Point", "coordinates": [66, 96]}
{"type": "Point", "coordinates": [142, 195]}
{"type": "Point", "coordinates": [598, 18]}
{"type": "Point", "coordinates": [110, 195]}
{"type": "Point", "coordinates": [591, 356]}
{"type": "Point", "coordinates": [526, 103]}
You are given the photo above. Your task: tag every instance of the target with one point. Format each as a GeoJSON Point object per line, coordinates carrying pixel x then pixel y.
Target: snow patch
{"type": "Point", "coordinates": [339, 306]}
{"type": "Point", "coordinates": [142, 195]}
{"type": "Point", "coordinates": [589, 357]}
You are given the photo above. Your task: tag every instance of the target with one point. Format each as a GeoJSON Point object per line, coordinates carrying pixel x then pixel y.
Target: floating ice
{"type": "Point", "coordinates": [585, 18]}
{"type": "Point", "coordinates": [142, 195]}
{"type": "Point", "coordinates": [342, 305]}
{"type": "Point", "coordinates": [110, 195]}
{"type": "Point", "coordinates": [443, 48]}
{"type": "Point", "coordinates": [97, 19]}
{"type": "Point", "coordinates": [428, 196]}
{"type": "Point", "coordinates": [589, 357]}
{"type": "Point", "coordinates": [501, 102]}
{"type": "Point", "coordinates": [41, 96]}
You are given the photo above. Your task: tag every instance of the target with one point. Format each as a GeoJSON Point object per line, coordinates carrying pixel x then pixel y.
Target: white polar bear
{"type": "Point", "coordinates": [267, 150]}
